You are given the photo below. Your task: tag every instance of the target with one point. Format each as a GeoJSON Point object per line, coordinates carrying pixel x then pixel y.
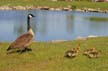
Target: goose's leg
{"type": "Point", "coordinates": [28, 49]}
{"type": "Point", "coordinates": [23, 50]}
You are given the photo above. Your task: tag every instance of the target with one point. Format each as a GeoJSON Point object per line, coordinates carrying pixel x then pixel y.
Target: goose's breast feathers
{"type": "Point", "coordinates": [30, 31]}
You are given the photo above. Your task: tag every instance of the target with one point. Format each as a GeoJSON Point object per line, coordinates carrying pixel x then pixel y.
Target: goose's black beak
{"type": "Point", "coordinates": [33, 16]}
{"type": "Point", "coordinates": [30, 15]}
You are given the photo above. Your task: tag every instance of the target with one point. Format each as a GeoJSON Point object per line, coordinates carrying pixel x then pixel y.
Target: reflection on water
{"type": "Point", "coordinates": [98, 19]}
{"type": "Point", "coordinates": [52, 25]}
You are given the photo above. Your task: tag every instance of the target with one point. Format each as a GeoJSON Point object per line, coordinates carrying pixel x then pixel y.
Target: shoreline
{"type": "Point", "coordinates": [62, 40]}
{"type": "Point", "coordinates": [6, 7]}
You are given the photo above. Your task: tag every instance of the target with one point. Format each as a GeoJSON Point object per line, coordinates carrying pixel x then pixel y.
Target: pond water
{"type": "Point", "coordinates": [53, 25]}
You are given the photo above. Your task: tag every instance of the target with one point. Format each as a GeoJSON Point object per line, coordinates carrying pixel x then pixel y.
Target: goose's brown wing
{"type": "Point", "coordinates": [22, 41]}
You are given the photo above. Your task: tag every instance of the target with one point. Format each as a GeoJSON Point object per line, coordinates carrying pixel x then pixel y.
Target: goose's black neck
{"type": "Point", "coordinates": [28, 23]}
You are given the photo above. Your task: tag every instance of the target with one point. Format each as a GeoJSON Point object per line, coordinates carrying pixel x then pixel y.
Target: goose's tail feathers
{"type": "Point", "coordinates": [8, 48]}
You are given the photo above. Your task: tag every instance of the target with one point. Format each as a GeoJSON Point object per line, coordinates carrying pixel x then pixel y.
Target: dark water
{"type": "Point", "coordinates": [53, 25]}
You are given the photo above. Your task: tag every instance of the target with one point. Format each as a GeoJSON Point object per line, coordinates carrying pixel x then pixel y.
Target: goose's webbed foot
{"type": "Point", "coordinates": [28, 49]}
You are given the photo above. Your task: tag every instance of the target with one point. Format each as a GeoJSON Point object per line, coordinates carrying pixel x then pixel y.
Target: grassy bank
{"type": "Point", "coordinates": [102, 5]}
{"type": "Point", "coordinates": [50, 57]}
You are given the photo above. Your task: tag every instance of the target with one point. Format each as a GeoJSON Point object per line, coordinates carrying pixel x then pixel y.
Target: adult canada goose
{"type": "Point", "coordinates": [73, 52]}
{"type": "Point", "coordinates": [23, 41]}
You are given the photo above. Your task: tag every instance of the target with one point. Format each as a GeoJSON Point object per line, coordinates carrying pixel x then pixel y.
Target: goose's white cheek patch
{"type": "Point", "coordinates": [30, 16]}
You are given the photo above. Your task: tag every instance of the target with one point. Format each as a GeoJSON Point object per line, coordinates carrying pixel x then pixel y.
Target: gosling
{"type": "Point", "coordinates": [92, 53]}
{"type": "Point", "coordinates": [73, 52]}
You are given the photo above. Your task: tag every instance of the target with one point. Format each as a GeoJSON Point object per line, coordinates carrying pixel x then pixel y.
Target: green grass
{"type": "Point", "coordinates": [47, 56]}
{"type": "Point", "coordinates": [102, 5]}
